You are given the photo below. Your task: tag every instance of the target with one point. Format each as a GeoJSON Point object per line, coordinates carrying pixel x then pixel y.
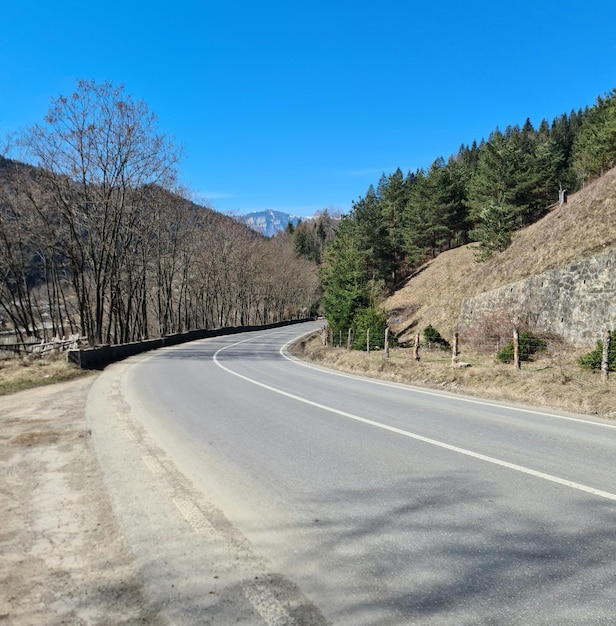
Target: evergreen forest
{"type": "Point", "coordinates": [481, 194]}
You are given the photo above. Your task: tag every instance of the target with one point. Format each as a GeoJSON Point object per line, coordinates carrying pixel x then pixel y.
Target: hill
{"type": "Point", "coordinates": [118, 264]}
{"type": "Point", "coordinates": [582, 228]}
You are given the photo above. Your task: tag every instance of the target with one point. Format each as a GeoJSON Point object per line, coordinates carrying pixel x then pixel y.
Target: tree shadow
{"type": "Point", "coordinates": [448, 549]}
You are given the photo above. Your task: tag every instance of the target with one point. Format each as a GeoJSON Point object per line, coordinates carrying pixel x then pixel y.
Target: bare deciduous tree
{"type": "Point", "coordinates": [99, 239]}
{"type": "Point", "coordinates": [100, 151]}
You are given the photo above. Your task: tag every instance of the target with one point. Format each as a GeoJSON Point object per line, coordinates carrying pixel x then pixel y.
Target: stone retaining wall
{"type": "Point", "coordinates": [577, 301]}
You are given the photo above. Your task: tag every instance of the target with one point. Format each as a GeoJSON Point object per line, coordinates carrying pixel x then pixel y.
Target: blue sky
{"type": "Point", "coordinates": [299, 107]}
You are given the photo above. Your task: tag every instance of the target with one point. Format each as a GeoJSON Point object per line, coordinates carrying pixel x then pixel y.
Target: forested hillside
{"type": "Point", "coordinates": [98, 239]}
{"type": "Point", "coordinates": [485, 193]}
{"type": "Point", "coordinates": [583, 227]}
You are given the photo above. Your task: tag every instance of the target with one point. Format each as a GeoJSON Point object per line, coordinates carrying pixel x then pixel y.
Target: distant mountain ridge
{"type": "Point", "coordinates": [269, 222]}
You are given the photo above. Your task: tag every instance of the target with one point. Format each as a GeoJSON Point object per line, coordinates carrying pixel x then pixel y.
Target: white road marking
{"type": "Point", "coordinates": [259, 596]}
{"type": "Point", "coordinates": [266, 605]}
{"type": "Point", "coordinates": [193, 516]}
{"type": "Point", "coordinates": [428, 392]}
{"type": "Point", "coordinates": [153, 464]}
{"type": "Point", "coordinates": [405, 433]}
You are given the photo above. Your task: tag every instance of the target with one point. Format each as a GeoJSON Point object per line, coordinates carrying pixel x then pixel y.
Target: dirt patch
{"type": "Point", "coordinates": [63, 560]}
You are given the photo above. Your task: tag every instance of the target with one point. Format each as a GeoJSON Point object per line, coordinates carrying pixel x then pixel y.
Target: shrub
{"type": "Point", "coordinates": [490, 332]}
{"type": "Point", "coordinates": [528, 344]}
{"type": "Point", "coordinates": [592, 360]}
{"type": "Point", "coordinates": [433, 338]}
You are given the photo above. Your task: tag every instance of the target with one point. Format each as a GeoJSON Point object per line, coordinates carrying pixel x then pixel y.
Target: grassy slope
{"type": "Point", "coordinates": [584, 226]}
{"type": "Point", "coordinates": [19, 374]}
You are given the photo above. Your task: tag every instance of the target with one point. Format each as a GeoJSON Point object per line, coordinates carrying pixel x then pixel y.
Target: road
{"type": "Point", "coordinates": [256, 489]}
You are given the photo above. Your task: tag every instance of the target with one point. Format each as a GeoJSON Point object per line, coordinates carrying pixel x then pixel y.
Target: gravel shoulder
{"type": "Point", "coordinates": [74, 500]}
{"type": "Point", "coordinates": [63, 559]}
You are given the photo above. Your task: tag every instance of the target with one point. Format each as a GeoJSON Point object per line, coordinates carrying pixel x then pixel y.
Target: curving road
{"type": "Point", "coordinates": [255, 489]}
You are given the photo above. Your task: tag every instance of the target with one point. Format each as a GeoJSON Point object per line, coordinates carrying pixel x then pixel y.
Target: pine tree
{"type": "Point", "coordinates": [594, 149]}
{"type": "Point", "coordinates": [494, 231]}
{"type": "Point", "coordinates": [343, 279]}
{"type": "Point", "coordinates": [416, 221]}
{"type": "Point", "coordinates": [391, 197]}
{"type": "Point", "coordinates": [371, 235]}
{"type": "Point", "coordinates": [550, 166]}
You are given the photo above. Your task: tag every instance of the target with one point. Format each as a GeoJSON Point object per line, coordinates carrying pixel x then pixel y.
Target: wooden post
{"type": "Point", "coordinates": [516, 348]}
{"type": "Point", "coordinates": [605, 355]}
{"type": "Point", "coordinates": [368, 341]}
{"type": "Point", "coordinates": [349, 340]}
{"type": "Point", "coordinates": [387, 342]}
{"type": "Point", "coordinates": [454, 353]}
{"type": "Point", "coordinates": [416, 348]}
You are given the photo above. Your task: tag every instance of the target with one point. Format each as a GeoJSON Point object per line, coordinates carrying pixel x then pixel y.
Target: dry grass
{"type": "Point", "coordinates": [586, 225]}
{"type": "Point", "coordinates": [553, 381]}
{"type": "Point", "coordinates": [18, 374]}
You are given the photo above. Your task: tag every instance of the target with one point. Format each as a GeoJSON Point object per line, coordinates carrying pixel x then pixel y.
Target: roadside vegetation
{"type": "Point", "coordinates": [593, 359]}
{"type": "Point", "coordinates": [553, 379]}
{"type": "Point", "coordinates": [22, 373]}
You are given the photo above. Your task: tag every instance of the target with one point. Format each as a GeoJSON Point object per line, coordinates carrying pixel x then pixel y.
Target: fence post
{"type": "Point", "coordinates": [368, 341]}
{"type": "Point", "coordinates": [516, 348]}
{"type": "Point", "coordinates": [387, 342]}
{"type": "Point", "coordinates": [349, 341]}
{"type": "Point", "coordinates": [454, 352]}
{"type": "Point", "coordinates": [416, 348]}
{"type": "Point", "coordinates": [605, 355]}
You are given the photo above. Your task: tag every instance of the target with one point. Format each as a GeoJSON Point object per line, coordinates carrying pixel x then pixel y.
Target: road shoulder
{"type": "Point", "coordinates": [63, 558]}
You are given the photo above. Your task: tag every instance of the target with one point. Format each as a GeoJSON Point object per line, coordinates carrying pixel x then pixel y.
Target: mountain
{"type": "Point", "coordinates": [268, 222]}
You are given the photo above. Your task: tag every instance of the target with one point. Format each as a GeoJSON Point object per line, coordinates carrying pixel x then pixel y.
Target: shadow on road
{"type": "Point", "coordinates": [452, 552]}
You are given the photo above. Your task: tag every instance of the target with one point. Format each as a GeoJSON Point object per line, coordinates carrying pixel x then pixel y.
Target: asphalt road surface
{"type": "Point", "coordinates": [255, 489]}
